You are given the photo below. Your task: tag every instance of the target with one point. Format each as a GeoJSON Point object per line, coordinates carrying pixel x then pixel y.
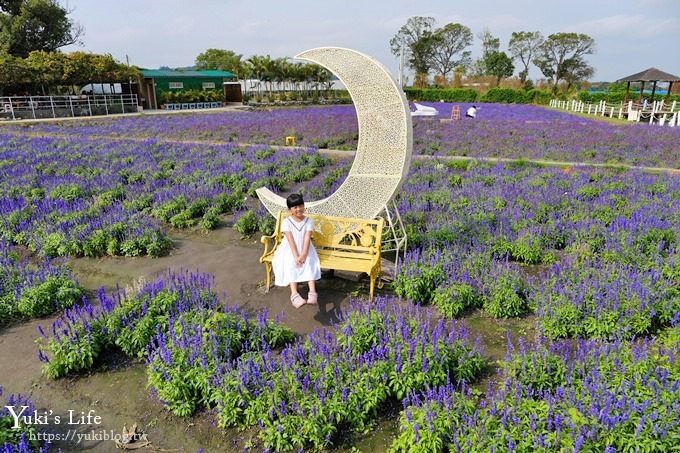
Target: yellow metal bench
{"type": "Point", "coordinates": [342, 243]}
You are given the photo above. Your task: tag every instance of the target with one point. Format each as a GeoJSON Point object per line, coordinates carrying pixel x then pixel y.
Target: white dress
{"type": "Point", "coordinates": [285, 268]}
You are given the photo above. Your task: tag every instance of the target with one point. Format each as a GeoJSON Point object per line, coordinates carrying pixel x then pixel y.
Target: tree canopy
{"type": "Point", "coordinates": [224, 60]}
{"type": "Point", "coordinates": [523, 45]}
{"type": "Point", "coordinates": [448, 48]}
{"type": "Point", "coordinates": [499, 65]}
{"type": "Point", "coordinates": [42, 72]}
{"type": "Point", "coordinates": [28, 25]}
{"type": "Point", "coordinates": [412, 39]}
{"type": "Point", "coordinates": [561, 56]}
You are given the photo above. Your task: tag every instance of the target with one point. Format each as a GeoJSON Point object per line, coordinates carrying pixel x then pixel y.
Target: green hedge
{"type": "Point", "coordinates": [498, 95]}
{"type": "Point", "coordinates": [447, 95]}
{"type": "Point", "coordinates": [189, 96]}
{"type": "Point", "coordinates": [542, 97]}
{"type": "Point", "coordinates": [507, 96]}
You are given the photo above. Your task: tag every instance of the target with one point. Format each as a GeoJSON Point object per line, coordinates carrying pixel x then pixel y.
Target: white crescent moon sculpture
{"type": "Point", "coordinates": [385, 143]}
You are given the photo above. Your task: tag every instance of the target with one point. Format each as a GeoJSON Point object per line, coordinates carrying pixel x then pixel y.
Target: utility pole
{"type": "Point", "coordinates": [127, 59]}
{"type": "Point", "coordinates": [401, 64]}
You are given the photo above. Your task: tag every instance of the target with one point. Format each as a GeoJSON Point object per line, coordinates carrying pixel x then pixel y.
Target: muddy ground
{"type": "Point", "coordinates": [116, 392]}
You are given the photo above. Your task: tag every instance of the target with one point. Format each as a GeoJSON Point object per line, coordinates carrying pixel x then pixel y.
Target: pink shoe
{"type": "Point", "coordinates": [297, 300]}
{"type": "Point", "coordinates": [312, 298]}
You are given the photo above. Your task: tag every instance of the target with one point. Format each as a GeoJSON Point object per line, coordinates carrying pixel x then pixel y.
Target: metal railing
{"type": "Point", "coordinates": [35, 107]}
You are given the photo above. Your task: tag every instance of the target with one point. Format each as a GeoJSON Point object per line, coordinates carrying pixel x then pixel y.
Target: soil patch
{"type": "Point", "coordinates": [117, 391]}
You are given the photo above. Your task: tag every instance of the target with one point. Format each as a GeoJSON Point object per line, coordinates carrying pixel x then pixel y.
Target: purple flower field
{"type": "Point", "coordinates": [507, 131]}
{"type": "Point", "coordinates": [595, 253]}
{"type": "Point", "coordinates": [92, 197]}
{"type": "Point", "coordinates": [533, 132]}
{"type": "Point", "coordinates": [590, 255]}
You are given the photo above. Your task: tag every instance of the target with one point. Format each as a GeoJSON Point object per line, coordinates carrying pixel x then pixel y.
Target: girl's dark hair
{"type": "Point", "coordinates": [294, 199]}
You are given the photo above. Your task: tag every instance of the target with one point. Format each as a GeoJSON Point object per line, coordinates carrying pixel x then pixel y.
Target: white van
{"type": "Point", "coordinates": [102, 88]}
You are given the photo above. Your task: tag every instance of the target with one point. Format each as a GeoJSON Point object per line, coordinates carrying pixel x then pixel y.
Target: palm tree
{"type": "Point", "coordinates": [260, 69]}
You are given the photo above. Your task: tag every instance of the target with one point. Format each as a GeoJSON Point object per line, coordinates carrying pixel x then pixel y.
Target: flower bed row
{"type": "Point", "coordinates": [322, 127]}
{"type": "Point", "coordinates": [558, 396]}
{"type": "Point", "coordinates": [76, 341]}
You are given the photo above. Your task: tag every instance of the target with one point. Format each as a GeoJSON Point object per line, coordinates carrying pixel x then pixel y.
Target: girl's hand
{"type": "Point", "coordinates": [301, 260]}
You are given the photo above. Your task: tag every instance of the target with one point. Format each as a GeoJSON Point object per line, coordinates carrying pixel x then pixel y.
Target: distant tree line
{"type": "Point", "coordinates": [32, 31]}
{"type": "Point", "coordinates": [442, 53]}
{"type": "Point", "coordinates": [43, 72]}
{"type": "Point", "coordinates": [264, 75]}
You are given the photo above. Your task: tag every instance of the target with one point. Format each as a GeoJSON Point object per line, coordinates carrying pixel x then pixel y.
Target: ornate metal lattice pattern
{"type": "Point", "coordinates": [385, 143]}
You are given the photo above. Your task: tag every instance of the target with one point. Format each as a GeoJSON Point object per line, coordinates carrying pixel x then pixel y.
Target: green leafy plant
{"type": "Point", "coordinates": [73, 353]}
{"type": "Point", "coordinates": [53, 294]}
{"type": "Point", "coordinates": [508, 297]}
{"type": "Point", "coordinates": [246, 224]}
{"type": "Point", "coordinates": [454, 299]}
{"type": "Point", "coordinates": [418, 282]}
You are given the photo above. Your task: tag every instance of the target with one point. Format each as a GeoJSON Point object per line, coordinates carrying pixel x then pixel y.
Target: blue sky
{"type": "Point", "coordinates": [630, 36]}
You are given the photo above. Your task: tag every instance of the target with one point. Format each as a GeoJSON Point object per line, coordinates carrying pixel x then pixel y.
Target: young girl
{"type": "Point", "coordinates": [295, 260]}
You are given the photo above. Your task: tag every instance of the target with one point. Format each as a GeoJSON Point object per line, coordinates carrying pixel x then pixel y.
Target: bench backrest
{"type": "Point", "coordinates": [342, 233]}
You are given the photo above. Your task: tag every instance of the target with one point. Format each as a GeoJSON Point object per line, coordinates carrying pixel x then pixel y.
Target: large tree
{"type": "Point", "coordinates": [13, 72]}
{"type": "Point", "coordinates": [448, 46]}
{"type": "Point", "coordinates": [412, 40]}
{"type": "Point", "coordinates": [560, 56]}
{"type": "Point", "coordinates": [490, 45]}
{"type": "Point", "coordinates": [28, 25]}
{"type": "Point", "coordinates": [499, 65]}
{"type": "Point", "coordinates": [224, 60]}
{"type": "Point", "coordinates": [523, 45]}
{"type": "Point", "coordinates": [575, 70]}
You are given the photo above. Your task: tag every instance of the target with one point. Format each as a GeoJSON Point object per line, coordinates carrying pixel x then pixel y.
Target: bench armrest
{"type": "Point", "coordinates": [269, 243]}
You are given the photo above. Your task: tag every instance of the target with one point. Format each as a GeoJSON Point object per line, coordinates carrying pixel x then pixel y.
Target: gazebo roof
{"type": "Point", "coordinates": [651, 75]}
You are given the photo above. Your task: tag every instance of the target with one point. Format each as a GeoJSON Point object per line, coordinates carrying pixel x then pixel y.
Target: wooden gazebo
{"type": "Point", "coordinates": [650, 75]}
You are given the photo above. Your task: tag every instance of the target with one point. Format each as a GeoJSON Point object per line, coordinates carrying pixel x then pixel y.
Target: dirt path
{"type": "Point", "coordinates": [119, 395]}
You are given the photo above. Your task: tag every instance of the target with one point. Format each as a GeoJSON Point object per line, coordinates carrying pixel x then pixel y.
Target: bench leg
{"type": "Point", "coordinates": [268, 279]}
{"type": "Point", "coordinates": [374, 275]}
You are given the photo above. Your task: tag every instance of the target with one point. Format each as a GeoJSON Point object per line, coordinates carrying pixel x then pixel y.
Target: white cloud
{"type": "Point", "coordinates": [629, 26]}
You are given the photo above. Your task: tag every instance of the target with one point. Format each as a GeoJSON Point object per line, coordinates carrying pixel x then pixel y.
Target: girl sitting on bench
{"type": "Point", "coordinates": [296, 259]}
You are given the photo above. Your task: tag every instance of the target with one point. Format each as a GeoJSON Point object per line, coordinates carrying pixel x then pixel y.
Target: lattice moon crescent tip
{"type": "Point", "coordinates": [385, 143]}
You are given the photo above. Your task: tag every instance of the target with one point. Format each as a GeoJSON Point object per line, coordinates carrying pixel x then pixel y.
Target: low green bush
{"type": "Point", "coordinates": [54, 294]}
{"type": "Point", "coordinates": [447, 95]}
{"type": "Point", "coordinates": [246, 224]}
{"type": "Point", "coordinates": [507, 96]}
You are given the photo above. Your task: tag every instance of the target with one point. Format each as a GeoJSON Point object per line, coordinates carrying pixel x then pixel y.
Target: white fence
{"type": "Point", "coordinates": [193, 106]}
{"type": "Point", "coordinates": [34, 107]}
{"type": "Point", "coordinates": [656, 112]}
